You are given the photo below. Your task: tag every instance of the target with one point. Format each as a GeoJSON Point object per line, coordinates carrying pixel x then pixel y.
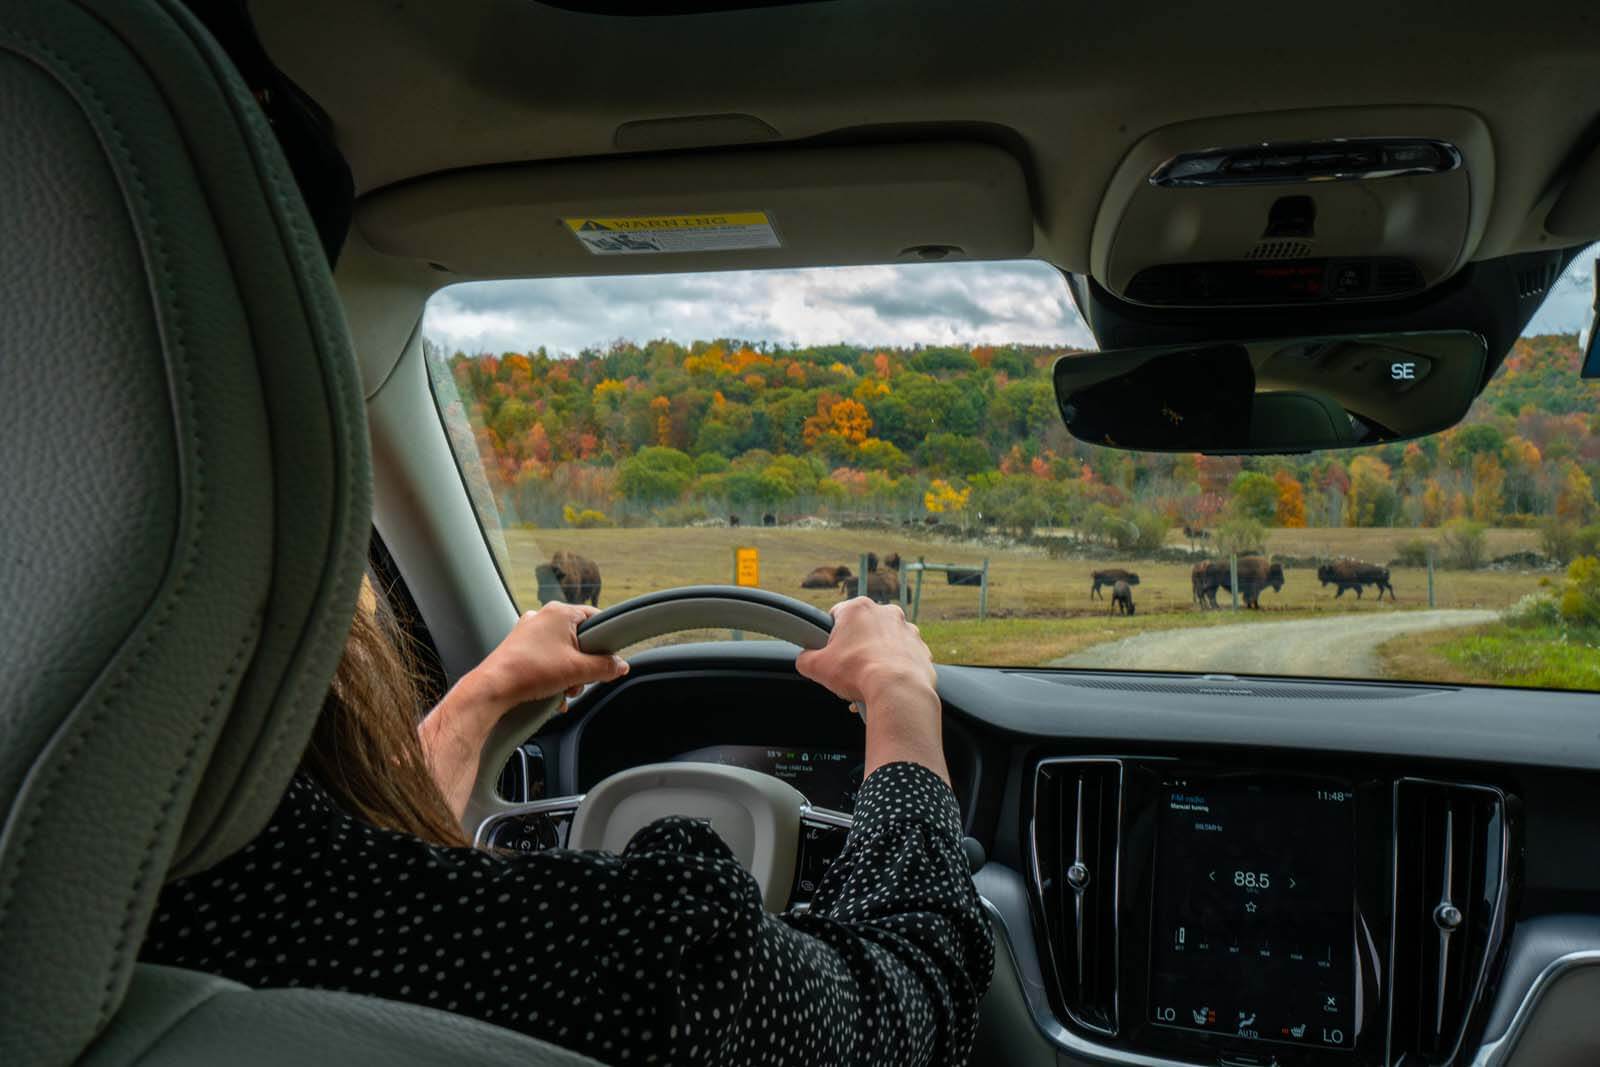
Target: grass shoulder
{"type": "Point", "coordinates": [1542, 655]}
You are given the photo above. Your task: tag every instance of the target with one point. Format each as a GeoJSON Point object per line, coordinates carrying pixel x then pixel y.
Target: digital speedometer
{"type": "Point", "coordinates": [829, 778]}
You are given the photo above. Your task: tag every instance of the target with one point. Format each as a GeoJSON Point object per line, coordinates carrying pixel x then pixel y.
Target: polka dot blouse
{"type": "Point", "coordinates": [662, 954]}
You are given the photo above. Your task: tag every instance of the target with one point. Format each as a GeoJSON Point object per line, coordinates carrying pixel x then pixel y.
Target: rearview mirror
{"type": "Point", "coordinates": [1293, 395]}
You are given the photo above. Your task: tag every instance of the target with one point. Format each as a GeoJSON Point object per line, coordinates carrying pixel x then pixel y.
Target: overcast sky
{"type": "Point", "coordinates": [935, 303]}
{"type": "Point", "coordinates": [940, 303]}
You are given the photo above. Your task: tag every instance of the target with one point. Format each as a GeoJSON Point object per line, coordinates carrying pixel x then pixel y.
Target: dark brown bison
{"type": "Point", "coordinates": [578, 576]}
{"type": "Point", "coordinates": [826, 577]}
{"type": "Point", "coordinates": [1255, 574]}
{"type": "Point", "coordinates": [883, 586]}
{"type": "Point", "coordinates": [883, 579]}
{"type": "Point", "coordinates": [1353, 574]}
{"type": "Point", "coordinates": [733, 520]}
{"type": "Point", "coordinates": [1110, 576]}
{"type": "Point", "coordinates": [769, 519]}
{"type": "Point", "coordinates": [1122, 598]}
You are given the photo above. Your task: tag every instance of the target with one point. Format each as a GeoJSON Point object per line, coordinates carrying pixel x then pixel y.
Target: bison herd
{"type": "Point", "coordinates": [883, 578]}
{"type": "Point", "coordinates": [1255, 575]}
{"type": "Point", "coordinates": [576, 580]}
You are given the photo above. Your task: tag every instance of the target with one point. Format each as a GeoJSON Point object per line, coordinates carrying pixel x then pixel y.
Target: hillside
{"type": "Point", "coordinates": [672, 433]}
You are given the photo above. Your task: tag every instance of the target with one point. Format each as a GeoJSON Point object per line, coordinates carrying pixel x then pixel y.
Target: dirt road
{"type": "Point", "coordinates": [1344, 647]}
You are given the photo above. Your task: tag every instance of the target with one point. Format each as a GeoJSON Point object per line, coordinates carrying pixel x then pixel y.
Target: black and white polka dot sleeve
{"type": "Point", "coordinates": [662, 954]}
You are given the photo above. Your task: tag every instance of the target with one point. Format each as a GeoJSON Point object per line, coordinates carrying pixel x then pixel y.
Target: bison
{"type": "Point", "coordinates": [1111, 576]}
{"type": "Point", "coordinates": [826, 577]}
{"type": "Point", "coordinates": [769, 519]}
{"type": "Point", "coordinates": [883, 579]}
{"type": "Point", "coordinates": [1255, 574]}
{"type": "Point", "coordinates": [883, 586]}
{"type": "Point", "coordinates": [1353, 574]}
{"type": "Point", "coordinates": [578, 576]}
{"type": "Point", "coordinates": [1122, 598]}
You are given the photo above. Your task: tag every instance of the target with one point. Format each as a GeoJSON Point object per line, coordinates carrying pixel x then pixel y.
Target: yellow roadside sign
{"type": "Point", "coordinates": [746, 567]}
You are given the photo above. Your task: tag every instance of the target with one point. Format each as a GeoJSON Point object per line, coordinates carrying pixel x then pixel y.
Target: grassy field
{"type": "Point", "coordinates": [1039, 608]}
{"type": "Point", "coordinates": [1498, 654]}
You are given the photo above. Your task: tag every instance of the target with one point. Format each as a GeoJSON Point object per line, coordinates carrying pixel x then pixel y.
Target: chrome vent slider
{"type": "Point", "coordinates": [1074, 837]}
{"type": "Point", "coordinates": [1452, 848]}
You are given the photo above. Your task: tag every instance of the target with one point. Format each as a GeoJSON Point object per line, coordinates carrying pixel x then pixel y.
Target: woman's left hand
{"type": "Point", "coordinates": [538, 659]}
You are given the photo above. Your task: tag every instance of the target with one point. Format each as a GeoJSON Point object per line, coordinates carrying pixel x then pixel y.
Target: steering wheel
{"type": "Point", "coordinates": [757, 815]}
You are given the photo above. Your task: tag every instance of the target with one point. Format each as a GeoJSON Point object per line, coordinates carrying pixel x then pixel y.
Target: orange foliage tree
{"type": "Point", "coordinates": [1291, 500]}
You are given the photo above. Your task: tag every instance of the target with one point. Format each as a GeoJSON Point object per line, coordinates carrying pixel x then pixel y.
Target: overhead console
{"type": "Point", "coordinates": [1295, 208]}
{"type": "Point", "coordinates": [1251, 915]}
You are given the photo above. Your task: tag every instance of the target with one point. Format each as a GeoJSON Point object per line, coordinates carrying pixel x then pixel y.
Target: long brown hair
{"type": "Point", "coordinates": [364, 749]}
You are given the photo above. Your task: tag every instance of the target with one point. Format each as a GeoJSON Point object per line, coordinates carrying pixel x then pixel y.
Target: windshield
{"type": "Point", "coordinates": [893, 431]}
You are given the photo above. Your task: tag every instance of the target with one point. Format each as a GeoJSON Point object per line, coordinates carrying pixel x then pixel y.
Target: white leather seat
{"type": "Point", "coordinates": [184, 513]}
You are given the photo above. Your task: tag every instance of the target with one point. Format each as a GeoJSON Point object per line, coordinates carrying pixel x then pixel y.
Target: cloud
{"type": "Point", "coordinates": [943, 303]}
{"type": "Point", "coordinates": [1023, 302]}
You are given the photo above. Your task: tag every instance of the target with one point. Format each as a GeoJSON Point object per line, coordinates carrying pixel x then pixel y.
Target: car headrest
{"type": "Point", "coordinates": [185, 498]}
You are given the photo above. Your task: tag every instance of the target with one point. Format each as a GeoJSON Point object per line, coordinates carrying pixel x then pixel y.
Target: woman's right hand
{"type": "Point", "coordinates": [877, 658]}
{"type": "Point", "coordinates": [538, 659]}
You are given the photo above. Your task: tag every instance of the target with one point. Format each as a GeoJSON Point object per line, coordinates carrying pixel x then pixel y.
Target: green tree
{"type": "Point", "coordinates": [1253, 495]}
{"type": "Point", "coordinates": [1468, 442]}
{"type": "Point", "coordinates": [655, 475]}
{"type": "Point", "coordinates": [954, 454]}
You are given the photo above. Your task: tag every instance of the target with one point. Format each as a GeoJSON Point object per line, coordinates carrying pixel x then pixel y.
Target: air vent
{"type": "Point", "coordinates": [1279, 250]}
{"type": "Point", "coordinates": [1535, 282]}
{"type": "Point", "coordinates": [1239, 688]}
{"type": "Point", "coordinates": [1077, 807]}
{"type": "Point", "coordinates": [1451, 850]}
{"type": "Point", "coordinates": [1392, 277]}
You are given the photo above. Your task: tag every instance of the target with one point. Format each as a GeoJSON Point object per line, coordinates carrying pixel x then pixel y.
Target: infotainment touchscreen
{"type": "Point", "coordinates": [1254, 924]}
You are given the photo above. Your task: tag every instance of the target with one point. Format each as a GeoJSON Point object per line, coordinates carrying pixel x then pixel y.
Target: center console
{"type": "Point", "coordinates": [1264, 914]}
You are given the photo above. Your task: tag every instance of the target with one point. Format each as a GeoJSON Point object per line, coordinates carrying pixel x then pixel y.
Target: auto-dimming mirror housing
{"type": "Point", "coordinates": [1285, 395]}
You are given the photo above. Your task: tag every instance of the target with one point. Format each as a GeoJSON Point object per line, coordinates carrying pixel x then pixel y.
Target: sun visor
{"type": "Point", "coordinates": [1295, 208]}
{"type": "Point", "coordinates": [737, 210]}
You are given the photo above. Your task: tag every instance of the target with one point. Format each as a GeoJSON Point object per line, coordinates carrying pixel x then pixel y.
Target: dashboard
{"type": "Point", "coordinates": [1193, 870]}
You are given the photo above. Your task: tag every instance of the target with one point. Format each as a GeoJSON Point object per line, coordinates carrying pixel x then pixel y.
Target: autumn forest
{"type": "Point", "coordinates": [672, 434]}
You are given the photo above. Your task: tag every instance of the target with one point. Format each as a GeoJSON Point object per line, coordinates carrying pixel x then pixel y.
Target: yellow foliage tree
{"type": "Point", "coordinates": [609, 393]}
{"type": "Point", "coordinates": [1575, 500]}
{"type": "Point", "coordinates": [847, 418]}
{"type": "Point", "coordinates": [942, 498]}
{"type": "Point", "coordinates": [1488, 488]}
{"type": "Point", "coordinates": [870, 389]}
{"type": "Point", "coordinates": [1370, 485]}
{"type": "Point", "coordinates": [1433, 503]}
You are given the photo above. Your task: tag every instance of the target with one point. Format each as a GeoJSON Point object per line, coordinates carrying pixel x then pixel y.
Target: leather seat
{"type": "Point", "coordinates": [183, 523]}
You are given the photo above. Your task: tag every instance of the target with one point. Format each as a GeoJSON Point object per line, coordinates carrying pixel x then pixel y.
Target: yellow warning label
{"type": "Point", "coordinates": [632, 235]}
